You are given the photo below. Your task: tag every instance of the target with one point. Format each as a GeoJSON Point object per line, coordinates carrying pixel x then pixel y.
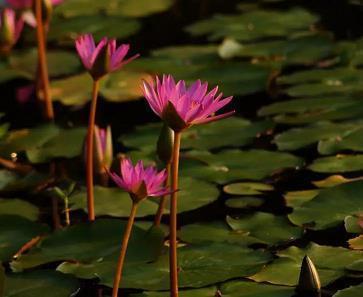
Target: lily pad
{"type": "Point", "coordinates": [19, 207]}
{"type": "Point", "coordinates": [203, 292]}
{"type": "Point", "coordinates": [193, 194]}
{"type": "Point", "coordinates": [297, 198]}
{"type": "Point", "coordinates": [130, 8]}
{"type": "Point", "coordinates": [235, 132]}
{"type": "Point", "coordinates": [215, 232]}
{"type": "Point", "coordinates": [255, 24]}
{"type": "Point", "coordinates": [90, 242]}
{"type": "Point", "coordinates": [199, 266]}
{"type": "Point", "coordinates": [329, 261]}
{"type": "Point", "coordinates": [240, 288]}
{"type": "Point", "coordinates": [322, 132]}
{"type": "Point", "coordinates": [339, 163]}
{"type": "Point", "coordinates": [40, 283]}
{"type": "Point", "coordinates": [231, 165]}
{"type": "Point", "coordinates": [268, 228]}
{"type": "Point", "coordinates": [15, 231]}
{"type": "Point", "coordinates": [352, 291]}
{"type": "Point", "coordinates": [67, 144]}
{"type": "Point", "coordinates": [330, 207]}
{"type": "Point", "coordinates": [60, 62]}
{"type": "Point", "coordinates": [65, 31]}
{"type": "Point", "coordinates": [247, 188]}
{"type": "Point", "coordinates": [356, 243]}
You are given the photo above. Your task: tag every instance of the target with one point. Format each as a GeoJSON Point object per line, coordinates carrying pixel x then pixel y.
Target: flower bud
{"type": "Point", "coordinates": [165, 144]}
{"type": "Point", "coordinates": [102, 64]}
{"type": "Point", "coordinates": [103, 150]}
{"type": "Point", "coordinates": [309, 281]}
{"type": "Point", "coordinates": [10, 29]}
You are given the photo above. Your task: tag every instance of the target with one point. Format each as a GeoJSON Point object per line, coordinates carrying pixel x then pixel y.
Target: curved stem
{"type": "Point", "coordinates": [160, 211]}
{"type": "Point", "coordinates": [89, 151]}
{"type": "Point", "coordinates": [42, 56]}
{"type": "Point", "coordinates": [121, 259]}
{"type": "Point", "coordinates": [173, 260]}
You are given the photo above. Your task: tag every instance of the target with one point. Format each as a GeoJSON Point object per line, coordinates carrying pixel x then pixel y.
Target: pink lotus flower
{"type": "Point", "coordinates": [10, 29]}
{"type": "Point", "coordinates": [104, 58]}
{"type": "Point", "coordinates": [26, 4]}
{"type": "Point", "coordinates": [181, 107]}
{"type": "Point", "coordinates": [140, 182]}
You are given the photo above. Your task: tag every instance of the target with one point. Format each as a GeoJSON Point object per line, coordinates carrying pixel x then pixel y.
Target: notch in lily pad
{"type": "Point", "coordinates": [309, 280]}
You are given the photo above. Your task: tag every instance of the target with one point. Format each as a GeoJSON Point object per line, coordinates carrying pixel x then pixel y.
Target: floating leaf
{"type": "Point", "coordinates": [67, 144]}
{"type": "Point", "coordinates": [193, 194]}
{"type": "Point", "coordinates": [40, 283]}
{"type": "Point", "coordinates": [199, 266]}
{"type": "Point", "coordinates": [131, 8]}
{"type": "Point", "coordinates": [215, 232]}
{"type": "Point", "coordinates": [240, 288]}
{"type": "Point", "coordinates": [15, 231]}
{"type": "Point", "coordinates": [297, 198]}
{"type": "Point", "coordinates": [352, 291]}
{"type": "Point", "coordinates": [19, 208]}
{"type": "Point", "coordinates": [247, 188]}
{"type": "Point", "coordinates": [339, 163]}
{"type": "Point", "coordinates": [356, 243]}
{"type": "Point", "coordinates": [204, 292]}
{"type": "Point", "coordinates": [329, 261]}
{"type": "Point", "coordinates": [87, 243]}
{"type": "Point", "coordinates": [230, 165]}
{"type": "Point", "coordinates": [330, 207]}
{"type": "Point", "coordinates": [254, 24]}
{"type": "Point", "coordinates": [268, 228]}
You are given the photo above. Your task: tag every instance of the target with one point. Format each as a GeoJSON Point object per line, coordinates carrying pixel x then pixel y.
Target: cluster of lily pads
{"type": "Point", "coordinates": [256, 195]}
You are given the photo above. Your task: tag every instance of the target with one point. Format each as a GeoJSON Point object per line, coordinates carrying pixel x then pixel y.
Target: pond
{"type": "Point", "coordinates": [259, 190]}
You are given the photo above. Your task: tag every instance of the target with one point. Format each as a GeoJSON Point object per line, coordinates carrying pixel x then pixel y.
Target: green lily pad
{"type": "Point", "coordinates": [215, 232]}
{"type": "Point", "coordinates": [40, 283]}
{"type": "Point", "coordinates": [240, 288]}
{"type": "Point", "coordinates": [297, 198]}
{"type": "Point", "coordinates": [130, 8]}
{"type": "Point", "coordinates": [351, 224]}
{"type": "Point", "coordinates": [199, 266]}
{"type": "Point", "coordinates": [60, 62]}
{"type": "Point", "coordinates": [254, 24]}
{"type": "Point", "coordinates": [329, 261]}
{"type": "Point", "coordinates": [268, 228]}
{"type": "Point", "coordinates": [247, 188]}
{"type": "Point", "coordinates": [296, 50]}
{"type": "Point", "coordinates": [193, 194]}
{"type": "Point", "coordinates": [235, 132]}
{"type": "Point", "coordinates": [307, 105]}
{"type": "Point", "coordinates": [318, 82]}
{"type": "Point", "coordinates": [203, 292]}
{"type": "Point", "coordinates": [15, 182]}
{"type": "Point", "coordinates": [67, 144]}
{"type": "Point", "coordinates": [19, 208]}
{"type": "Point", "coordinates": [322, 132]}
{"type": "Point", "coordinates": [65, 31]}
{"type": "Point", "coordinates": [244, 202]}
{"type": "Point", "coordinates": [90, 242]}
{"type": "Point", "coordinates": [352, 291]}
{"type": "Point", "coordinates": [25, 139]}
{"type": "Point", "coordinates": [231, 165]}
{"type": "Point", "coordinates": [330, 207]}
{"type": "Point", "coordinates": [15, 231]}
{"type": "Point", "coordinates": [339, 163]}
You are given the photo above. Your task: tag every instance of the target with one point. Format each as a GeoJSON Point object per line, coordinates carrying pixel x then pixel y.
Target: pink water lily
{"type": "Point", "coordinates": [140, 182]}
{"type": "Point", "coordinates": [181, 107]}
{"type": "Point", "coordinates": [10, 28]}
{"type": "Point", "coordinates": [103, 58]}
